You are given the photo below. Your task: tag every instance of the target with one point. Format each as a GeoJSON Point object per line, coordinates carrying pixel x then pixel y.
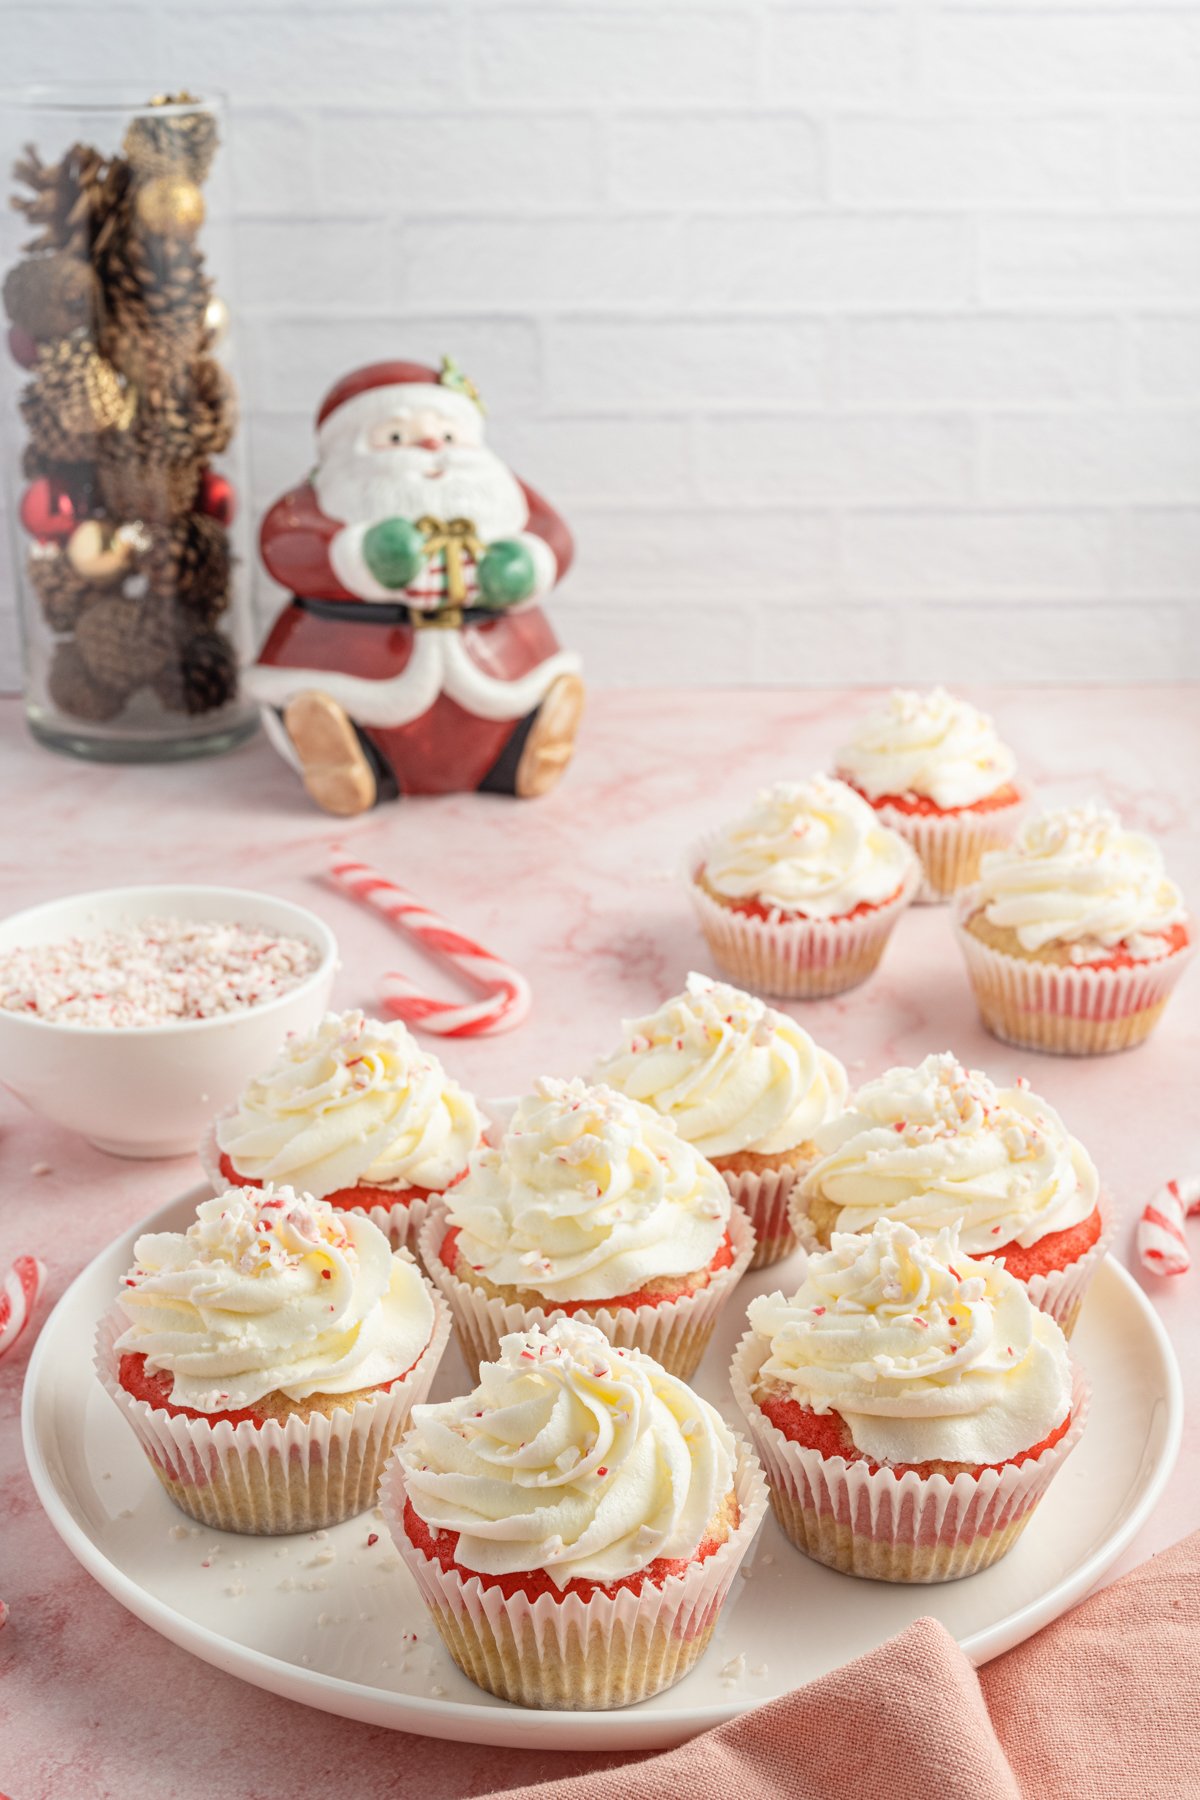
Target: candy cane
{"type": "Point", "coordinates": [507, 992]}
{"type": "Point", "coordinates": [1161, 1241]}
{"type": "Point", "coordinates": [18, 1297]}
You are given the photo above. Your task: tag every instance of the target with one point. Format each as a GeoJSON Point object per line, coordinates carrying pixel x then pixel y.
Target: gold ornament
{"type": "Point", "coordinates": [98, 553]}
{"type": "Point", "coordinates": [216, 321]}
{"type": "Point", "coordinates": [170, 207]}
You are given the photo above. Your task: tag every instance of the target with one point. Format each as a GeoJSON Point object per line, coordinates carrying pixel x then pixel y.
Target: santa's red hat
{"type": "Point", "coordinates": [379, 390]}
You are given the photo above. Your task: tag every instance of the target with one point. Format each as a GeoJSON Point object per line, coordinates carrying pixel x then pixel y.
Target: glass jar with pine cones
{"type": "Point", "coordinates": [127, 454]}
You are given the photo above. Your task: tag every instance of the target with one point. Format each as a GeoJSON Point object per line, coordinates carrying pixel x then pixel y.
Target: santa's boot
{"type": "Point", "coordinates": [550, 740]}
{"type": "Point", "coordinates": [335, 768]}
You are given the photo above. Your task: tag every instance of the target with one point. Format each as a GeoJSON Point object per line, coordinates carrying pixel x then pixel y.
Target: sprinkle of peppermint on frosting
{"type": "Point", "coordinates": [941, 1144]}
{"type": "Point", "coordinates": [930, 746]}
{"type": "Point", "coordinates": [814, 848]}
{"type": "Point", "coordinates": [924, 1353]}
{"type": "Point", "coordinates": [731, 1072]}
{"type": "Point", "coordinates": [1075, 875]}
{"type": "Point", "coordinates": [159, 972]}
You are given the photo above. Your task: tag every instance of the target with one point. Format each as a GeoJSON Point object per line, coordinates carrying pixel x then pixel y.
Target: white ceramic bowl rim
{"type": "Point", "coordinates": [306, 924]}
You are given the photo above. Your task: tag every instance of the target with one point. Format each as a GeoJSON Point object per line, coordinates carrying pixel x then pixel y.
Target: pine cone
{"type": "Point", "coordinates": [156, 293]}
{"type": "Point", "coordinates": [75, 690]}
{"type": "Point", "coordinates": [125, 643]}
{"type": "Point", "coordinates": [190, 564]}
{"type": "Point", "coordinates": [175, 144]}
{"type": "Point", "coordinates": [52, 296]}
{"type": "Point", "coordinates": [75, 395]}
{"type": "Point", "coordinates": [67, 199]}
{"type": "Point", "coordinates": [137, 477]}
{"type": "Point", "coordinates": [63, 593]}
{"type": "Point", "coordinates": [199, 412]}
{"type": "Point", "coordinates": [202, 678]}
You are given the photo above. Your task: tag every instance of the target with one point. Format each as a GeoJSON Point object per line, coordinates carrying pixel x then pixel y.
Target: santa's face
{"type": "Point", "coordinates": [409, 461]}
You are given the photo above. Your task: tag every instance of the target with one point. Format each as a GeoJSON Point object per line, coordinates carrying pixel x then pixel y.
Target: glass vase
{"type": "Point", "coordinates": [125, 460]}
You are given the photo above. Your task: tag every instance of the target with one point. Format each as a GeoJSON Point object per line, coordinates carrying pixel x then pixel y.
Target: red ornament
{"type": "Point", "coordinates": [22, 347]}
{"type": "Point", "coordinates": [47, 511]}
{"type": "Point", "coordinates": [216, 497]}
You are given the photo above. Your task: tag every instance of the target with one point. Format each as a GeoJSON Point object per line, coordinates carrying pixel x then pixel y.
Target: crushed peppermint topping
{"type": "Point", "coordinates": [159, 972]}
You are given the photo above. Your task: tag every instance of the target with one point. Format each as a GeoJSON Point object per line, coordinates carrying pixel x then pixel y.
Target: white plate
{"type": "Point", "coordinates": [323, 1619]}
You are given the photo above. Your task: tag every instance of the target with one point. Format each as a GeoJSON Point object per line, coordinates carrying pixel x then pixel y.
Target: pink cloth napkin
{"type": "Point", "coordinates": [1104, 1703]}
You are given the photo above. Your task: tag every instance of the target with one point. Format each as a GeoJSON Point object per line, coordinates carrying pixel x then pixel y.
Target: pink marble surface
{"type": "Point", "coordinates": [577, 889]}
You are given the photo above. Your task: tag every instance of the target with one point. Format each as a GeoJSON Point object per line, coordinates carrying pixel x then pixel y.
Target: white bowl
{"type": "Point", "coordinates": [152, 1090]}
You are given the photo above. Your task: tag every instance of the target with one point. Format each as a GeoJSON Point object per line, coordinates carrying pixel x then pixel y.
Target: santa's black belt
{"type": "Point", "coordinates": [394, 612]}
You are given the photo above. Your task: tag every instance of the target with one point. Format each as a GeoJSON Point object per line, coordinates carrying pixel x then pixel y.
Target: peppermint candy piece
{"type": "Point", "coordinates": [1161, 1240]}
{"type": "Point", "coordinates": [18, 1297]}
{"type": "Point", "coordinates": [507, 993]}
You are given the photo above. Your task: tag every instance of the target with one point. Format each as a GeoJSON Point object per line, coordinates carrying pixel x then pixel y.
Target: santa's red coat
{"type": "Point", "coordinates": [447, 749]}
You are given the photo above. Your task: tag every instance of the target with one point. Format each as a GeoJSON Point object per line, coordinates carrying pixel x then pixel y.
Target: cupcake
{"type": "Point", "coordinates": [1074, 936]}
{"type": "Point", "coordinates": [743, 1084]}
{"type": "Point", "coordinates": [941, 1145]}
{"type": "Point", "coordinates": [575, 1523]}
{"type": "Point", "coordinates": [268, 1358]}
{"type": "Point", "coordinates": [354, 1113]}
{"type": "Point", "coordinates": [909, 1405]}
{"type": "Point", "coordinates": [799, 896]}
{"type": "Point", "coordinates": [934, 769]}
{"type": "Point", "coordinates": [591, 1206]}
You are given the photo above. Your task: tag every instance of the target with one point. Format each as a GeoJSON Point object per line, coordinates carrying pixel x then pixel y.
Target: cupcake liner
{"type": "Point", "coordinates": [266, 1480]}
{"type": "Point", "coordinates": [582, 1655]}
{"type": "Point", "coordinates": [1062, 1009]}
{"type": "Point", "coordinates": [795, 959]}
{"type": "Point", "coordinates": [951, 844]}
{"type": "Point", "coordinates": [1059, 1293]}
{"type": "Point", "coordinates": [906, 1528]}
{"type": "Point", "coordinates": [674, 1332]}
{"type": "Point", "coordinates": [400, 1223]}
{"type": "Point", "coordinates": [764, 1197]}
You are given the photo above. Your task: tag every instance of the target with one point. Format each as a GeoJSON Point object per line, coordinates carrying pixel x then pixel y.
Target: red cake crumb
{"type": "Point", "coordinates": [154, 1387]}
{"type": "Point", "coordinates": [1057, 1250]}
{"type": "Point", "coordinates": [920, 805]}
{"type": "Point", "coordinates": [440, 1547]}
{"type": "Point", "coordinates": [722, 1260]}
{"type": "Point", "coordinates": [362, 1195]}
{"type": "Point", "coordinates": [829, 1433]}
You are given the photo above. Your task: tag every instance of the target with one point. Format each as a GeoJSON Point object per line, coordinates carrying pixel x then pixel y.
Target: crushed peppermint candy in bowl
{"type": "Point", "coordinates": [134, 1014]}
{"type": "Point", "coordinates": [154, 973]}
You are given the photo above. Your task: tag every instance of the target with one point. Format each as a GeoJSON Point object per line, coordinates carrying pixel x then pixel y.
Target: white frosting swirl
{"type": "Point", "coordinates": [273, 1292]}
{"type": "Point", "coordinates": [927, 1355]}
{"type": "Point", "coordinates": [941, 1145]}
{"type": "Point", "coordinates": [814, 848]}
{"type": "Point", "coordinates": [931, 745]}
{"type": "Point", "coordinates": [731, 1072]}
{"type": "Point", "coordinates": [354, 1101]}
{"type": "Point", "coordinates": [588, 1196]}
{"type": "Point", "coordinates": [1074, 875]}
{"type": "Point", "coordinates": [572, 1457]}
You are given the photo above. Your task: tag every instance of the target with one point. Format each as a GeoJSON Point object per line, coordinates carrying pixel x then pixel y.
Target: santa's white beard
{"type": "Point", "coordinates": [363, 486]}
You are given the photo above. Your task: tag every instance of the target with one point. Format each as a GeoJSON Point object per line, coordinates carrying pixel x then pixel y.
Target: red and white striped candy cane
{"type": "Point", "coordinates": [1161, 1240]}
{"type": "Point", "coordinates": [18, 1297]}
{"type": "Point", "coordinates": [507, 995]}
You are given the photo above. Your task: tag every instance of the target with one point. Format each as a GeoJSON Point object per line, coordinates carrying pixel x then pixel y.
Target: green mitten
{"type": "Point", "coordinates": [506, 573]}
{"type": "Point", "coordinates": [394, 551]}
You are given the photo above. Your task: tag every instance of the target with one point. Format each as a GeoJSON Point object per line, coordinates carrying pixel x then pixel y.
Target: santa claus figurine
{"type": "Point", "coordinates": [413, 658]}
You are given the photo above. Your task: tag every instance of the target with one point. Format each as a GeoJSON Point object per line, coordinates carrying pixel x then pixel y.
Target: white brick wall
{"type": "Point", "coordinates": [856, 341]}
